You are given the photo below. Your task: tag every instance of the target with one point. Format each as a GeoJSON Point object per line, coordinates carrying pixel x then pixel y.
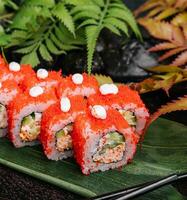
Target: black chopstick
{"type": "Point", "coordinates": [149, 188]}
{"type": "Point", "coordinates": [140, 189]}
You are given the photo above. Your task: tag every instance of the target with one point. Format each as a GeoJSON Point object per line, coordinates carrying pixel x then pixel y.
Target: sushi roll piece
{"type": "Point", "coordinates": [18, 72]}
{"type": "Point", "coordinates": [78, 84]}
{"type": "Point", "coordinates": [57, 125]}
{"type": "Point", "coordinates": [42, 78]}
{"type": "Point", "coordinates": [25, 113]}
{"type": "Point", "coordinates": [102, 140]}
{"type": "Point", "coordinates": [126, 101]}
{"type": "Point", "coordinates": [8, 90]}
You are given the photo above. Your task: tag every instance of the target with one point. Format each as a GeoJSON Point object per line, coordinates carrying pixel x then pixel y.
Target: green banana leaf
{"type": "Point", "coordinates": [163, 152]}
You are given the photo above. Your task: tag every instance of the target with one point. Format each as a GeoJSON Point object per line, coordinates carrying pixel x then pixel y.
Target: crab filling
{"type": "Point", "coordinates": [129, 116]}
{"type": "Point", "coordinates": [63, 138]}
{"type": "Point", "coordinates": [3, 117]}
{"type": "Point", "coordinates": [111, 148]}
{"type": "Point", "coordinates": [30, 127]}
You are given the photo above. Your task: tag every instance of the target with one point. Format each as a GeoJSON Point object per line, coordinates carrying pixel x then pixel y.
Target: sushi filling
{"type": "Point", "coordinates": [63, 138]}
{"type": "Point", "coordinates": [111, 148]}
{"type": "Point", "coordinates": [129, 116]}
{"type": "Point", "coordinates": [3, 117]}
{"type": "Point", "coordinates": [30, 127]}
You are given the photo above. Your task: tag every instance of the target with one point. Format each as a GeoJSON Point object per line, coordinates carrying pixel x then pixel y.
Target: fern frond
{"type": "Point", "coordinates": [61, 12]}
{"type": "Point", "coordinates": [45, 53]}
{"type": "Point", "coordinates": [179, 19]}
{"type": "Point", "coordinates": [92, 33]}
{"type": "Point", "coordinates": [31, 58]}
{"type": "Point", "coordinates": [163, 46]}
{"type": "Point", "coordinates": [52, 48]}
{"type": "Point", "coordinates": [99, 14]}
{"type": "Point", "coordinates": [127, 17]}
{"type": "Point", "coordinates": [166, 13]}
{"type": "Point", "coordinates": [46, 3]}
{"type": "Point", "coordinates": [171, 53]}
{"type": "Point", "coordinates": [117, 23]}
{"type": "Point", "coordinates": [181, 59]}
{"type": "Point", "coordinates": [175, 105]}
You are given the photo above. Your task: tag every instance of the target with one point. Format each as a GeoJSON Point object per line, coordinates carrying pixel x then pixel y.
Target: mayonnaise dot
{"type": "Point", "coordinates": [36, 91]}
{"type": "Point", "coordinates": [77, 78]}
{"type": "Point", "coordinates": [14, 66]}
{"type": "Point", "coordinates": [42, 73]}
{"type": "Point", "coordinates": [98, 112]}
{"type": "Point", "coordinates": [108, 89]}
{"type": "Point", "coordinates": [65, 104]}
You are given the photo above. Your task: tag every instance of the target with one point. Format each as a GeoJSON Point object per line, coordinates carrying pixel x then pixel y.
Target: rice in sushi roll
{"type": "Point", "coordinates": [126, 101]}
{"type": "Point", "coordinates": [78, 84]}
{"type": "Point", "coordinates": [57, 125]}
{"type": "Point", "coordinates": [24, 115]}
{"type": "Point", "coordinates": [8, 90]}
{"type": "Point", "coordinates": [102, 140]}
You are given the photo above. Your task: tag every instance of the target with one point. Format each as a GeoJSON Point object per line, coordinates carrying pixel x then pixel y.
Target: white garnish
{"type": "Point", "coordinates": [65, 104]}
{"type": "Point", "coordinates": [36, 91]}
{"type": "Point", "coordinates": [0, 85]}
{"type": "Point", "coordinates": [98, 112]}
{"type": "Point", "coordinates": [42, 73]}
{"type": "Point", "coordinates": [14, 66]}
{"type": "Point", "coordinates": [108, 89]}
{"type": "Point", "coordinates": [77, 78]}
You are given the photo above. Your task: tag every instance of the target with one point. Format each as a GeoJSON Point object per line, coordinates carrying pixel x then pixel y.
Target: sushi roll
{"type": "Point", "coordinates": [78, 84]}
{"type": "Point", "coordinates": [25, 113]}
{"type": "Point", "coordinates": [18, 72]}
{"type": "Point", "coordinates": [126, 101]}
{"type": "Point", "coordinates": [42, 78]}
{"type": "Point", "coordinates": [57, 125]}
{"type": "Point", "coordinates": [102, 140]}
{"type": "Point", "coordinates": [8, 90]}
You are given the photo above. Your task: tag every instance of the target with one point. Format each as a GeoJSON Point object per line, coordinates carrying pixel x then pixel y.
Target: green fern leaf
{"type": "Point", "coordinates": [56, 41]}
{"type": "Point", "coordinates": [100, 3]}
{"type": "Point", "coordinates": [31, 58]}
{"type": "Point", "coordinates": [112, 28]}
{"type": "Point", "coordinates": [85, 14]}
{"type": "Point", "coordinates": [87, 22]}
{"type": "Point", "coordinates": [52, 48]}
{"type": "Point", "coordinates": [63, 14]}
{"type": "Point", "coordinates": [92, 8]}
{"type": "Point", "coordinates": [92, 33]}
{"type": "Point", "coordinates": [44, 53]}
{"type": "Point", "coordinates": [117, 23]}
{"type": "Point", "coordinates": [25, 16]}
{"type": "Point", "coordinates": [45, 3]}
{"type": "Point", "coordinates": [127, 17]}
{"type": "Point", "coordinates": [27, 49]}
{"type": "Point", "coordinates": [76, 2]}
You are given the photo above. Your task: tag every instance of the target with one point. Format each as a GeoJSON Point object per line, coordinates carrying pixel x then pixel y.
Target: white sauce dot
{"type": "Point", "coordinates": [14, 66]}
{"type": "Point", "coordinates": [36, 91]}
{"type": "Point", "coordinates": [108, 89]}
{"type": "Point", "coordinates": [77, 78]}
{"type": "Point", "coordinates": [65, 104]}
{"type": "Point", "coordinates": [98, 112]}
{"type": "Point", "coordinates": [42, 73]}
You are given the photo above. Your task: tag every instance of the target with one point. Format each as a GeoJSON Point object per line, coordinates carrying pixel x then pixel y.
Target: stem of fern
{"type": "Point", "coordinates": [99, 28]}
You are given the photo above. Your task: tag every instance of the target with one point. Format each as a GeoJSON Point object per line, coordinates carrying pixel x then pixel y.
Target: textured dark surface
{"type": "Point", "coordinates": [15, 185]}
